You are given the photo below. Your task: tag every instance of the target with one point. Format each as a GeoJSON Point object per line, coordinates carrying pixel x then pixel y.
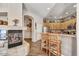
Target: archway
{"type": "Point", "coordinates": [28, 21]}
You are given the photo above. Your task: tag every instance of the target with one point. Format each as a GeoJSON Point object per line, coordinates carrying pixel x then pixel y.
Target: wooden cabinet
{"type": "Point", "coordinates": [54, 45]}
{"type": "Point", "coordinates": [45, 42]}
{"type": "Point", "coordinates": [60, 26]}
{"type": "Point", "coordinates": [57, 26]}
{"type": "Point", "coordinates": [54, 25]}
{"type": "Point", "coordinates": [51, 44]}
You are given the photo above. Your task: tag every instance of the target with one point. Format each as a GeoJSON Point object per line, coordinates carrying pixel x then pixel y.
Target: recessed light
{"type": "Point", "coordinates": [66, 13]}
{"type": "Point", "coordinates": [74, 5]}
{"type": "Point", "coordinates": [55, 17]}
{"type": "Point", "coordinates": [48, 8]}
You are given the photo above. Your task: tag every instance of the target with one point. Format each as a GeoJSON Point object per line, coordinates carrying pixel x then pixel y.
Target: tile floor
{"type": "Point", "coordinates": [35, 49]}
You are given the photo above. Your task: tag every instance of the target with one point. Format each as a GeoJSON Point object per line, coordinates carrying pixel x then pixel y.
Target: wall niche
{"type": "Point", "coordinates": [3, 18]}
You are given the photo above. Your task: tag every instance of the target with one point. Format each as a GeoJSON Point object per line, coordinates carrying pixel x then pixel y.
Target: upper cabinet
{"type": "Point", "coordinates": [61, 26]}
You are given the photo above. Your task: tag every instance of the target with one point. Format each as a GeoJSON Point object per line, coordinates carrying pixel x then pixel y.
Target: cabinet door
{"type": "Point", "coordinates": [66, 46]}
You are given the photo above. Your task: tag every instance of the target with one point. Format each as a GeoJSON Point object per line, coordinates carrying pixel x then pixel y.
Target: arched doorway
{"type": "Point", "coordinates": [28, 20]}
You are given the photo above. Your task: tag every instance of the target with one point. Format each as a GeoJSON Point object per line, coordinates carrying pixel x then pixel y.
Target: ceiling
{"type": "Point", "coordinates": [62, 10]}
{"type": "Point", "coordinates": [52, 10]}
{"type": "Point", "coordinates": [39, 8]}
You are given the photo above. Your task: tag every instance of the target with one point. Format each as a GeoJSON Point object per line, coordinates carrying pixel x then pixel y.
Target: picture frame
{"type": "Point", "coordinates": [14, 38]}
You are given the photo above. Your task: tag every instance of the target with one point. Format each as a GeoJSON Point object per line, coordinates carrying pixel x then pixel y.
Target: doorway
{"type": "Point", "coordinates": [28, 29]}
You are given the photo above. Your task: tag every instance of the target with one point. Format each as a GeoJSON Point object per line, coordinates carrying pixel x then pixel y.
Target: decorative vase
{"type": "Point", "coordinates": [15, 22]}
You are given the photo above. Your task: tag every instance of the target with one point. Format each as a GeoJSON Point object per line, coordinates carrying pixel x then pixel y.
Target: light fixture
{"type": "Point", "coordinates": [48, 8]}
{"type": "Point", "coordinates": [66, 13]}
{"type": "Point", "coordinates": [74, 5]}
{"type": "Point", "coordinates": [55, 17]}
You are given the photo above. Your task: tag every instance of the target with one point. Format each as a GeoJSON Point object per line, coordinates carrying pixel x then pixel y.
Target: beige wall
{"type": "Point", "coordinates": [38, 20]}
{"type": "Point", "coordinates": [77, 27]}
{"type": "Point", "coordinates": [14, 11]}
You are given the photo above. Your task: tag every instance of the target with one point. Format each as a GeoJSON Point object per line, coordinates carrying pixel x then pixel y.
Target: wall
{"type": "Point", "coordinates": [77, 27]}
{"type": "Point", "coordinates": [27, 34]}
{"type": "Point", "coordinates": [14, 11]}
{"type": "Point", "coordinates": [38, 20]}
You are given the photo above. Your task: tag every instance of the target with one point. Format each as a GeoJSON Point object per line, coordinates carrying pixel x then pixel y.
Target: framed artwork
{"type": "Point", "coordinates": [14, 38]}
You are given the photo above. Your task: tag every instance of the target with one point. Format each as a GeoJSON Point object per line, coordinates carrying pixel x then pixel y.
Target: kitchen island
{"type": "Point", "coordinates": [65, 43]}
